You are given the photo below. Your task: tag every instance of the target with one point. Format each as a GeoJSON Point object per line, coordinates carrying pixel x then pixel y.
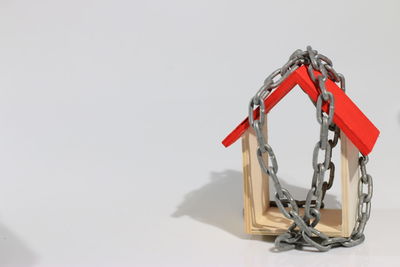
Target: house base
{"type": "Point", "coordinates": [273, 222]}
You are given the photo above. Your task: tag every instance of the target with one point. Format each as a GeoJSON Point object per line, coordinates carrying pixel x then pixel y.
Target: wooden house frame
{"type": "Point", "coordinates": [358, 134]}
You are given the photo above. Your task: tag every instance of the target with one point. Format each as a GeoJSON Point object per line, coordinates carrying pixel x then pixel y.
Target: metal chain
{"type": "Point", "coordinates": [302, 231]}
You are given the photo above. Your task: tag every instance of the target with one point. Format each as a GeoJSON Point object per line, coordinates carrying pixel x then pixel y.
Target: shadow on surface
{"type": "Point", "coordinates": [13, 251]}
{"type": "Point", "coordinates": [220, 203]}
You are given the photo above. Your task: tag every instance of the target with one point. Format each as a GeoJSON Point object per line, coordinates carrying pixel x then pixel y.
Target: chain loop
{"type": "Point", "coordinates": [331, 107]}
{"type": "Point", "coordinates": [302, 230]}
{"type": "Point", "coordinates": [268, 149]}
{"type": "Point", "coordinates": [291, 202]}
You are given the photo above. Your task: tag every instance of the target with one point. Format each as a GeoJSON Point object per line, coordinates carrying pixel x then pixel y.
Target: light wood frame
{"type": "Point", "coordinates": [260, 218]}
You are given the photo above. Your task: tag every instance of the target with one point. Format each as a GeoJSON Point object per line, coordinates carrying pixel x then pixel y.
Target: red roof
{"type": "Point", "coordinates": [348, 117]}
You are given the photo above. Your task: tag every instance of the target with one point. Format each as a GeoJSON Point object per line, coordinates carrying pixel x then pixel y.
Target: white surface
{"type": "Point", "coordinates": [112, 113]}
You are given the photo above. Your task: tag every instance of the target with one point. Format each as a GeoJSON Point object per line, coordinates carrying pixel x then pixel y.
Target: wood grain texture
{"type": "Point", "coordinates": [350, 177]}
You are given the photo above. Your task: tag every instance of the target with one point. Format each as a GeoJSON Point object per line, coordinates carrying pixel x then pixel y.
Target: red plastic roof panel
{"type": "Point", "coordinates": [348, 117]}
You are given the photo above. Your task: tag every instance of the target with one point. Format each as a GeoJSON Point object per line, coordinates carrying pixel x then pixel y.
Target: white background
{"type": "Point", "coordinates": [112, 114]}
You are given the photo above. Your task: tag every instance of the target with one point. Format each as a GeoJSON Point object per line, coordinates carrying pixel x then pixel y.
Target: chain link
{"type": "Point", "coordinates": [302, 231]}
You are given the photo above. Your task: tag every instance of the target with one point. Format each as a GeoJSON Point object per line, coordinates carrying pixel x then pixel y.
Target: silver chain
{"type": "Point", "coordinates": [302, 231]}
